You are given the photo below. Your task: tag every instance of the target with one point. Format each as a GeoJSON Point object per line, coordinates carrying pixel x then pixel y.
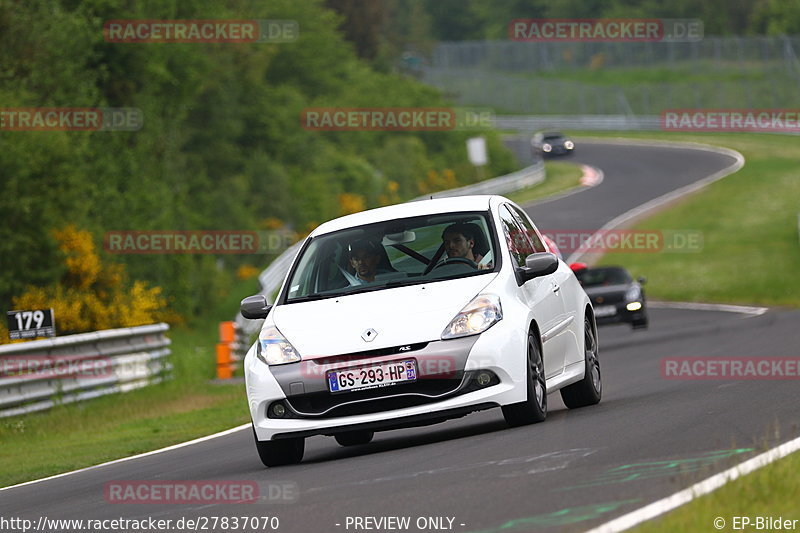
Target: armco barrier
{"type": "Point", "coordinates": [272, 277]}
{"type": "Point", "coordinates": [127, 359]}
{"type": "Point", "coordinates": [531, 123]}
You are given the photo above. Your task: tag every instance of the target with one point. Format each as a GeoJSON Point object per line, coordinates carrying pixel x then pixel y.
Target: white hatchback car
{"type": "Point", "coordinates": [413, 314]}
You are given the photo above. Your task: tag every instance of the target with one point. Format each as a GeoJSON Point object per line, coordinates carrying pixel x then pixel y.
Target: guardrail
{"type": "Point", "coordinates": [515, 181]}
{"type": "Point", "coordinates": [531, 123]}
{"type": "Point", "coordinates": [38, 375]}
{"type": "Point", "coordinates": [272, 277]}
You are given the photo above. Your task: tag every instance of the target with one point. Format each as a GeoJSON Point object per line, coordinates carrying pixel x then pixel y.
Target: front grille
{"type": "Point", "coordinates": [608, 299]}
{"type": "Point", "coordinates": [325, 404]}
{"type": "Point", "coordinates": [423, 391]}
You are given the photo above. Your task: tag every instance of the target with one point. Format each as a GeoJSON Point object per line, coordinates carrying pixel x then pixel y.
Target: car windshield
{"type": "Point", "coordinates": [393, 253]}
{"type": "Point", "coordinates": [592, 277]}
{"type": "Point", "coordinates": [552, 136]}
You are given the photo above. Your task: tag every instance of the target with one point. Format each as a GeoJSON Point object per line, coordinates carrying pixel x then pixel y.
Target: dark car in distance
{"type": "Point", "coordinates": [549, 143]}
{"type": "Point", "coordinates": [616, 296]}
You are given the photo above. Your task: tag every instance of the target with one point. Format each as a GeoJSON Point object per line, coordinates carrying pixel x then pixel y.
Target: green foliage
{"type": "Point", "coordinates": [221, 148]}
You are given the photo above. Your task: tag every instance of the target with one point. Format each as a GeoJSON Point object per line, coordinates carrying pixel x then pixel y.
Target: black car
{"type": "Point", "coordinates": [615, 295]}
{"type": "Point", "coordinates": [551, 143]}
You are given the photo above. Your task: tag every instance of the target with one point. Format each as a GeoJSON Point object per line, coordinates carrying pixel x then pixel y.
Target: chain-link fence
{"type": "Point", "coordinates": [534, 78]}
{"type": "Point", "coordinates": [768, 53]}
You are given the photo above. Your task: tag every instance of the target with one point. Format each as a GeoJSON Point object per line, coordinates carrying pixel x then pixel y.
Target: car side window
{"type": "Point", "coordinates": [538, 245]}
{"type": "Point", "coordinates": [518, 243]}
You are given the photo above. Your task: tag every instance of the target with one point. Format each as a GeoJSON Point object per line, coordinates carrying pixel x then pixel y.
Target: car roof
{"type": "Point", "coordinates": [411, 209]}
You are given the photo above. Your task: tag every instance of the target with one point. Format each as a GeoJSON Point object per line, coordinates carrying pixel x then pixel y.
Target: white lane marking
{"type": "Point", "coordinates": [747, 310]}
{"type": "Point", "coordinates": [653, 205]}
{"type": "Point", "coordinates": [130, 458]}
{"type": "Point", "coordinates": [701, 488]}
{"type": "Point", "coordinates": [592, 177]}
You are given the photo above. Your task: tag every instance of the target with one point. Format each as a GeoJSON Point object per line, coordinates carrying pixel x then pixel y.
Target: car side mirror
{"type": "Point", "coordinates": [642, 280]}
{"type": "Point", "coordinates": [538, 264]}
{"type": "Point", "coordinates": [254, 307]}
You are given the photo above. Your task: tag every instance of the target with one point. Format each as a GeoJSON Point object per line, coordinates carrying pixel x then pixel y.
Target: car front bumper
{"type": "Point", "coordinates": [446, 387]}
{"type": "Point", "coordinates": [622, 315]}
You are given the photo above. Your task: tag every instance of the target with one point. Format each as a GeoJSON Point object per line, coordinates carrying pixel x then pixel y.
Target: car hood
{"type": "Point", "coordinates": [400, 316]}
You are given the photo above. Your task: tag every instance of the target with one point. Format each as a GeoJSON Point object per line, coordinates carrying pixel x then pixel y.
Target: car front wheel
{"type": "Point", "coordinates": [534, 409]}
{"type": "Point", "coordinates": [280, 452]}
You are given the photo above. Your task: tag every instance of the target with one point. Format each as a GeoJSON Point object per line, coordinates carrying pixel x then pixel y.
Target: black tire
{"type": "Point", "coordinates": [640, 324]}
{"type": "Point", "coordinates": [280, 452]}
{"type": "Point", "coordinates": [354, 438]}
{"type": "Point", "coordinates": [589, 390]}
{"type": "Point", "coordinates": [534, 409]}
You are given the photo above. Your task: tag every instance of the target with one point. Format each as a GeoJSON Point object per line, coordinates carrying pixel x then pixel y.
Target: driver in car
{"type": "Point", "coordinates": [365, 257]}
{"type": "Point", "coordinates": [459, 241]}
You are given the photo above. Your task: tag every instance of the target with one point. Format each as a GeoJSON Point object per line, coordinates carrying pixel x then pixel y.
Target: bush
{"type": "Point", "coordinates": [92, 295]}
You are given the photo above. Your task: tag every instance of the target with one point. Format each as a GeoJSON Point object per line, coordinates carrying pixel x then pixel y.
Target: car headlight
{"type": "Point", "coordinates": [476, 317]}
{"type": "Point", "coordinates": [273, 348]}
{"type": "Point", "coordinates": [633, 294]}
{"type": "Point", "coordinates": [569, 145]}
{"type": "Point", "coordinates": [546, 147]}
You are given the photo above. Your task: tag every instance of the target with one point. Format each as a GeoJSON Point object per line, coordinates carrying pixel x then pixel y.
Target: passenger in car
{"type": "Point", "coordinates": [367, 257]}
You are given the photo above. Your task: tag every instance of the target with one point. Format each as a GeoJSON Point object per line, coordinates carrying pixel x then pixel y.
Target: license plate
{"type": "Point", "coordinates": [605, 310]}
{"type": "Point", "coordinates": [373, 376]}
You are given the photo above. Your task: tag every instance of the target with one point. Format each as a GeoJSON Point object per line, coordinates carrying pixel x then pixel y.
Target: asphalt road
{"type": "Point", "coordinates": [648, 438]}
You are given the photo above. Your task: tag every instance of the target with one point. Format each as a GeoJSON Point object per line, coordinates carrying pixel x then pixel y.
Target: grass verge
{"type": "Point", "coordinates": [768, 492]}
{"type": "Point", "coordinates": [748, 221]}
{"type": "Point", "coordinates": [561, 176]}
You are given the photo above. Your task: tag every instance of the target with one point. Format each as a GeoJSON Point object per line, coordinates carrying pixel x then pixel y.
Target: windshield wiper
{"type": "Point", "coordinates": [366, 288]}
{"type": "Point", "coordinates": [316, 296]}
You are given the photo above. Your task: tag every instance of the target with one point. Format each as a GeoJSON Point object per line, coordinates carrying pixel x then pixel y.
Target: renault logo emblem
{"type": "Point", "coordinates": [369, 335]}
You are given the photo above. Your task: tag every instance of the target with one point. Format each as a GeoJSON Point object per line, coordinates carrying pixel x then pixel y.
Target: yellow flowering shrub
{"type": "Point", "coordinates": [436, 181]}
{"type": "Point", "coordinates": [350, 203]}
{"type": "Point", "coordinates": [247, 272]}
{"type": "Point", "coordinates": [4, 338]}
{"type": "Point", "coordinates": [93, 296]}
{"type": "Point", "coordinates": [81, 259]}
{"type": "Point", "coordinates": [271, 223]}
